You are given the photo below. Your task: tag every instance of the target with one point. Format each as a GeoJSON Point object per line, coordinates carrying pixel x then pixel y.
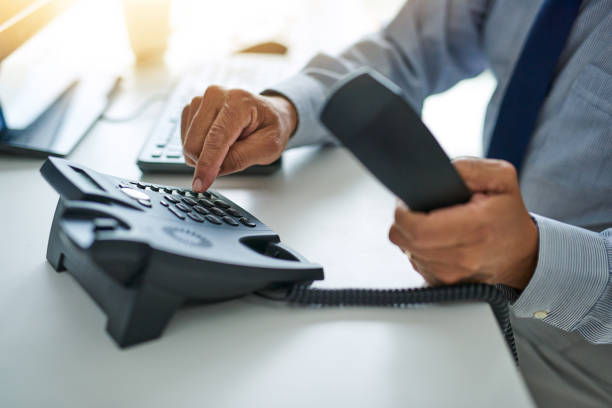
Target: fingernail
{"type": "Point", "coordinates": [197, 185]}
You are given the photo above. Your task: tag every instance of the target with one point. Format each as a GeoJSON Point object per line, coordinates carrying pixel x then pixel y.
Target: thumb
{"type": "Point", "coordinates": [487, 175]}
{"type": "Point", "coordinates": [262, 147]}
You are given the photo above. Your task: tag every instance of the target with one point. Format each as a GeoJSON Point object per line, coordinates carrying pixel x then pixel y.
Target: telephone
{"type": "Point", "coordinates": [141, 250]}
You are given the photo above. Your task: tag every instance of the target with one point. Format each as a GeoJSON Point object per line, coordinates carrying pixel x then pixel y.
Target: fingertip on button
{"type": "Point", "coordinates": [197, 185]}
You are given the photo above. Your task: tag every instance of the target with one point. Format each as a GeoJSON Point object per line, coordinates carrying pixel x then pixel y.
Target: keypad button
{"type": "Point", "coordinates": [172, 199]}
{"type": "Point", "coordinates": [189, 201]}
{"type": "Point", "coordinates": [174, 156]}
{"type": "Point", "coordinates": [217, 211]}
{"type": "Point", "coordinates": [176, 212]}
{"type": "Point", "coordinates": [135, 194]}
{"type": "Point", "coordinates": [201, 210]}
{"type": "Point", "coordinates": [154, 188]}
{"type": "Point", "coordinates": [145, 203]}
{"type": "Point", "coordinates": [141, 185]}
{"type": "Point", "coordinates": [168, 190]}
{"type": "Point", "coordinates": [233, 212]}
{"type": "Point", "coordinates": [247, 222]}
{"type": "Point", "coordinates": [206, 194]}
{"type": "Point", "coordinates": [195, 217]}
{"type": "Point", "coordinates": [162, 202]}
{"type": "Point", "coordinates": [183, 207]}
{"type": "Point", "coordinates": [213, 219]}
{"type": "Point", "coordinates": [181, 192]}
{"type": "Point", "coordinates": [230, 221]}
{"type": "Point", "coordinates": [222, 204]}
{"type": "Point", "coordinates": [205, 203]}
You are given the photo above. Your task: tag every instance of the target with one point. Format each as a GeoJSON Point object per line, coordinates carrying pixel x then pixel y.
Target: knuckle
{"type": "Point", "coordinates": [419, 234]}
{"type": "Point", "coordinates": [508, 170]}
{"type": "Point", "coordinates": [213, 91]}
{"type": "Point", "coordinates": [239, 97]}
{"type": "Point", "coordinates": [468, 262]}
{"type": "Point", "coordinates": [448, 278]}
{"type": "Point", "coordinates": [394, 235]}
{"type": "Point", "coordinates": [195, 101]}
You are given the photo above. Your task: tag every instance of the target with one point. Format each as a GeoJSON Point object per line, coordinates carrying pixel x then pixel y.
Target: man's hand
{"type": "Point", "coordinates": [225, 131]}
{"type": "Point", "coordinates": [490, 239]}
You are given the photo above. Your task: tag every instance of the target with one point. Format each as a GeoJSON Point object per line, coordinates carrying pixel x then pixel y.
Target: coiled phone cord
{"type": "Point", "coordinates": [306, 296]}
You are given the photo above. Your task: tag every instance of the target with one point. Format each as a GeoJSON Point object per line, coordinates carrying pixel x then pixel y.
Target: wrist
{"type": "Point", "coordinates": [287, 113]}
{"type": "Point", "coordinates": [526, 266]}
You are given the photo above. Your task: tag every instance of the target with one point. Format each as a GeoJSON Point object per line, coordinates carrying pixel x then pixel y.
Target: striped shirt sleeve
{"type": "Point", "coordinates": [571, 287]}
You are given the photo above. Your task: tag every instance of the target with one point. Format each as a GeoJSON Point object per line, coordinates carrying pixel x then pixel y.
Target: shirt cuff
{"type": "Point", "coordinates": [308, 96]}
{"type": "Point", "coordinates": [571, 275]}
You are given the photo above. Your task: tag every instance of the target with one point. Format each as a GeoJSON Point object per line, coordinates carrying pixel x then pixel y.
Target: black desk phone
{"type": "Point", "coordinates": [142, 250]}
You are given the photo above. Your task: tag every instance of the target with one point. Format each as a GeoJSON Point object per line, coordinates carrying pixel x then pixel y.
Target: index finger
{"type": "Point", "coordinates": [224, 131]}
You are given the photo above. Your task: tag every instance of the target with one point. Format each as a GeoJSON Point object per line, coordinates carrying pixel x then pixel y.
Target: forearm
{"type": "Point", "coordinates": [571, 287]}
{"type": "Point", "coordinates": [428, 47]}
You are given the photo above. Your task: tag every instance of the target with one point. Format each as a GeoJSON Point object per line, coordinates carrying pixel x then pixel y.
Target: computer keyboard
{"type": "Point", "coordinates": [163, 150]}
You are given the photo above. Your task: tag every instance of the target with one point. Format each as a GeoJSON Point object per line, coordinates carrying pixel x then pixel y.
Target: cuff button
{"type": "Point", "coordinates": [540, 314]}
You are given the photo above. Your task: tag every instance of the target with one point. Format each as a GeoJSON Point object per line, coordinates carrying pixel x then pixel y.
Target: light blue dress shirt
{"type": "Point", "coordinates": [566, 180]}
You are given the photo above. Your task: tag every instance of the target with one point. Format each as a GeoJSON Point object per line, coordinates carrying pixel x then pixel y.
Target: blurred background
{"type": "Point", "coordinates": [133, 38]}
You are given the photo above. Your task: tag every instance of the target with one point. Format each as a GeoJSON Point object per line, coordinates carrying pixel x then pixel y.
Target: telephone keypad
{"type": "Point", "coordinates": [199, 207]}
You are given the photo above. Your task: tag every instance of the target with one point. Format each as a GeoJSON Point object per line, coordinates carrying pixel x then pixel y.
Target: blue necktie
{"type": "Point", "coordinates": [531, 80]}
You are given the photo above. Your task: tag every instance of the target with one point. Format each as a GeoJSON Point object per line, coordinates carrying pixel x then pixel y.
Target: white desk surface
{"type": "Point", "coordinates": [54, 351]}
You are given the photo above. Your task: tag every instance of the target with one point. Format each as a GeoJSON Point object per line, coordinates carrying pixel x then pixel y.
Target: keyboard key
{"type": "Point", "coordinates": [230, 221]}
{"type": "Point", "coordinates": [247, 222]}
{"type": "Point", "coordinates": [206, 194]}
{"type": "Point", "coordinates": [168, 189]}
{"type": "Point", "coordinates": [189, 201]}
{"type": "Point", "coordinates": [141, 185]}
{"type": "Point", "coordinates": [217, 211]}
{"type": "Point", "coordinates": [183, 207]}
{"type": "Point", "coordinates": [195, 217]}
{"type": "Point", "coordinates": [172, 198]}
{"type": "Point", "coordinates": [233, 212]}
{"type": "Point", "coordinates": [201, 210]}
{"type": "Point", "coordinates": [176, 212]}
{"type": "Point", "coordinates": [154, 188]}
{"type": "Point", "coordinates": [165, 204]}
{"type": "Point", "coordinates": [205, 203]}
{"type": "Point", "coordinates": [213, 219]}
{"type": "Point", "coordinates": [181, 192]}
{"type": "Point", "coordinates": [222, 204]}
